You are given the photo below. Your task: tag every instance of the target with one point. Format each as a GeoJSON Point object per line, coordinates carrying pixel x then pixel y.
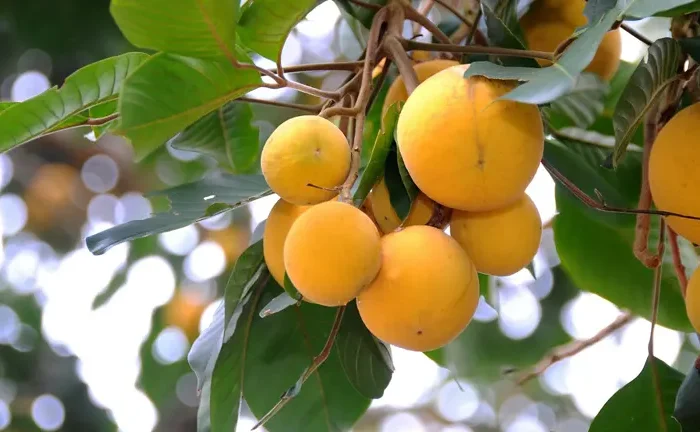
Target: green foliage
{"type": "Point", "coordinates": [246, 270]}
{"type": "Point", "coordinates": [648, 82]}
{"type": "Point", "coordinates": [188, 204]}
{"type": "Point", "coordinates": [634, 408]}
{"type": "Point", "coordinates": [265, 24]}
{"type": "Point", "coordinates": [57, 109]}
{"type": "Point", "coordinates": [196, 28]}
{"type": "Point", "coordinates": [362, 14]}
{"type": "Point", "coordinates": [584, 103]}
{"type": "Point", "coordinates": [503, 30]}
{"type": "Point", "coordinates": [686, 407]}
{"type": "Point", "coordinates": [228, 135]}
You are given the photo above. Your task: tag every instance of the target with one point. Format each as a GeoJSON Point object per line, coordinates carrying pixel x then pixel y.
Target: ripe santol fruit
{"type": "Point", "coordinates": [425, 293]}
{"type": "Point", "coordinates": [305, 159]}
{"type": "Point", "coordinates": [331, 253]}
{"type": "Point", "coordinates": [499, 242]}
{"type": "Point", "coordinates": [463, 147]}
{"type": "Point", "coordinates": [380, 204]}
{"type": "Point", "coordinates": [398, 93]}
{"type": "Point", "coordinates": [673, 171]}
{"type": "Point", "coordinates": [277, 226]}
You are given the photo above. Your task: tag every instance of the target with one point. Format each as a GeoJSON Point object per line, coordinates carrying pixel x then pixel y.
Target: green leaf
{"type": "Point", "coordinates": [363, 14]}
{"type": "Point", "coordinates": [399, 197]}
{"type": "Point", "coordinates": [647, 8]}
{"type": "Point", "coordinates": [378, 154]}
{"type": "Point", "coordinates": [277, 304]}
{"type": "Point", "coordinates": [375, 117]}
{"type": "Point", "coordinates": [690, 7]}
{"type": "Point", "coordinates": [595, 248]}
{"type": "Point", "coordinates": [687, 408]}
{"type": "Point", "coordinates": [365, 360]}
{"type": "Point", "coordinates": [188, 204]}
{"type": "Point", "coordinates": [169, 92]}
{"type": "Point", "coordinates": [649, 81]}
{"type": "Point", "coordinates": [634, 408]}
{"type": "Point", "coordinates": [228, 135]}
{"type": "Point", "coordinates": [57, 109]}
{"type": "Point", "coordinates": [546, 84]}
{"type": "Point", "coordinates": [595, 9]}
{"type": "Point", "coordinates": [195, 28]}
{"type": "Point", "coordinates": [265, 24]}
{"type": "Point", "coordinates": [290, 289]}
{"type": "Point", "coordinates": [104, 110]}
{"type": "Point", "coordinates": [6, 105]}
{"type": "Point", "coordinates": [245, 273]}
{"type": "Point", "coordinates": [503, 30]}
{"type": "Point", "coordinates": [408, 184]}
{"type": "Point", "coordinates": [584, 103]}
{"type": "Point", "coordinates": [281, 347]}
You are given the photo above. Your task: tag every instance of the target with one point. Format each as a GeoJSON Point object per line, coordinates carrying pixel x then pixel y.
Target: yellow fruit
{"type": "Point", "coordinates": [397, 92]}
{"type": "Point", "coordinates": [692, 300]}
{"type": "Point", "coordinates": [464, 148]}
{"type": "Point", "coordinates": [499, 242]}
{"type": "Point", "coordinates": [280, 220]}
{"type": "Point", "coordinates": [332, 251]}
{"type": "Point", "coordinates": [385, 215]}
{"type": "Point", "coordinates": [425, 293]}
{"type": "Point", "coordinates": [673, 171]}
{"type": "Point", "coordinates": [304, 152]}
{"type": "Point", "coordinates": [549, 23]}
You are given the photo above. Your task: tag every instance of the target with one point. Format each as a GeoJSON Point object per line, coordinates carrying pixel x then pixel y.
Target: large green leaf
{"type": "Point", "coordinates": [687, 408]}
{"type": "Point", "coordinates": [400, 197]}
{"type": "Point", "coordinates": [245, 271]}
{"type": "Point", "coordinates": [634, 408]}
{"type": "Point", "coordinates": [265, 24]}
{"type": "Point", "coordinates": [649, 81]}
{"type": "Point", "coordinates": [647, 8]}
{"type": "Point", "coordinates": [280, 348]}
{"type": "Point", "coordinates": [57, 109]}
{"type": "Point", "coordinates": [194, 28]}
{"type": "Point", "coordinates": [546, 84]}
{"type": "Point", "coordinates": [378, 155]}
{"type": "Point", "coordinates": [503, 30]}
{"type": "Point", "coordinates": [365, 360]}
{"type": "Point", "coordinates": [169, 92]}
{"type": "Point", "coordinates": [189, 203]}
{"type": "Point", "coordinates": [228, 135]}
{"type": "Point", "coordinates": [687, 8]}
{"type": "Point", "coordinates": [582, 104]}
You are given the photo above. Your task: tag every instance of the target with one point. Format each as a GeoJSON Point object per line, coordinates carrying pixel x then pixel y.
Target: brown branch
{"type": "Point", "coordinates": [410, 45]}
{"type": "Point", "coordinates": [315, 364]}
{"type": "Point", "coordinates": [102, 120]}
{"type": "Point", "coordinates": [570, 350]}
{"type": "Point", "coordinates": [643, 226]}
{"type": "Point", "coordinates": [602, 206]}
{"type": "Point", "coordinates": [345, 194]}
{"type": "Point", "coordinates": [314, 109]}
{"type": "Point", "coordinates": [398, 55]}
{"type": "Point", "coordinates": [338, 66]}
{"type": "Point", "coordinates": [677, 262]}
{"type": "Point", "coordinates": [424, 9]}
{"type": "Point", "coordinates": [636, 34]}
{"type": "Point", "coordinates": [654, 315]}
{"type": "Point", "coordinates": [413, 15]}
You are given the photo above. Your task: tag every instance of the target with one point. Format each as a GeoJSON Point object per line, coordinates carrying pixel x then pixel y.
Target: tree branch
{"type": "Point", "coordinates": [475, 49]}
{"type": "Point", "coordinates": [643, 226]}
{"type": "Point", "coordinates": [454, 12]}
{"type": "Point", "coordinates": [339, 66]}
{"type": "Point", "coordinates": [677, 262]}
{"type": "Point", "coordinates": [397, 53]}
{"type": "Point", "coordinates": [636, 34]}
{"type": "Point", "coordinates": [102, 120]}
{"type": "Point", "coordinates": [654, 315]}
{"type": "Point", "coordinates": [570, 350]}
{"type": "Point", "coordinates": [413, 15]}
{"type": "Point", "coordinates": [314, 109]}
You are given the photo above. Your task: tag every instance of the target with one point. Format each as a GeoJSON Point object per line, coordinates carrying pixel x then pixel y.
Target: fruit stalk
{"type": "Point", "coordinates": [654, 315]}
{"type": "Point", "coordinates": [677, 262]}
{"type": "Point", "coordinates": [475, 49]}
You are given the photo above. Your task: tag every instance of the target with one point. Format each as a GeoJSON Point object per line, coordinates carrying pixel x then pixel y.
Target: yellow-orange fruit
{"type": "Point", "coordinates": [425, 293]}
{"type": "Point", "coordinates": [385, 215]}
{"type": "Point", "coordinates": [674, 176]}
{"type": "Point", "coordinates": [547, 24]}
{"type": "Point", "coordinates": [692, 300]}
{"type": "Point", "coordinates": [184, 311]}
{"type": "Point", "coordinates": [332, 251]}
{"type": "Point", "coordinates": [499, 242]}
{"type": "Point", "coordinates": [304, 152]}
{"type": "Point", "coordinates": [397, 92]}
{"type": "Point", "coordinates": [279, 221]}
{"type": "Point", "coordinates": [464, 148]}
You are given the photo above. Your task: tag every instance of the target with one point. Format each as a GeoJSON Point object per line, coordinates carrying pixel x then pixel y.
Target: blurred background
{"type": "Point", "coordinates": [100, 343]}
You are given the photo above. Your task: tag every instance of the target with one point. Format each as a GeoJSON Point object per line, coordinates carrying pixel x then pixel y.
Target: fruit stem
{"type": "Point", "coordinates": [654, 315]}
{"type": "Point", "coordinates": [345, 194]}
{"type": "Point", "coordinates": [563, 352]}
{"type": "Point", "coordinates": [102, 120]}
{"type": "Point", "coordinates": [314, 109]}
{"type": "Point", "coordinates": [677, 262]}
{"type": "Point", "coordinates": [410, 45]}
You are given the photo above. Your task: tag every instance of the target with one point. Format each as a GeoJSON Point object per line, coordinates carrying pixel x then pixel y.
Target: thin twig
{"type": "Point", "coordinates": [602, 206]}
{"type": "Point", "coordinates": [473, 31]}
{"type": "Point", "coordinates": [313, 90]}
{"type": "Point", "coordinates": [654, 315]}
{"type": "Point", "coordinates": [339, 66]}
{"type": "Point", "coordinates": [102, 120]}
{"type": "Point", "coordinates": [345, 194]}
{"type": "Point", "coordinates": [315, 364]}
{"type": "Point", "coordinates": [413, 15]}
{"type": "Point", "coordinates": [643, 226]}
{"type": "Point", "coordinates": [636, 34]}
{"type": "Point", "coordinates": [410, 45]}
{"type": "Point", "coordinates": [314, 109]}
{"type": "Point", "coordinates": [570, 350]}
{"type": "Point", "coordinates": [677, 262]}
{"type": "Point", "coordinates": [424, 9]}
{"type": "Point", "coordinates": [397, 53]}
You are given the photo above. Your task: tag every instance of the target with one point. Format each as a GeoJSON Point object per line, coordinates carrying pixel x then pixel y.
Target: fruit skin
{"type": "Point", "coordinates": [302, 151]}
{"type": "Point", "coordinates": [425, 293]}
{"type": "Point", "coordinates": [673, 171]}
{"type": "Point", "coordinates": [548, 23]}
{"type": "Point", "coordinates": [397, 92]}
{"type": "Point", "coordinates": [279, 221]}
{"type": "Point", "coordinates": [332, 251]}
{"type": "Point", "coordinates": [454, 128]}
{"type": "Point", "coordinates": [692, 299]}
{"type": "Point", "coordinates": [388, 221]}
{"type": "Point", "coordinates": [499, 242]}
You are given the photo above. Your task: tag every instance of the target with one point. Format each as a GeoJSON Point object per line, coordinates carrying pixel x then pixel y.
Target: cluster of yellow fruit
{"type": "Point", "coordinates": [416, 286]}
